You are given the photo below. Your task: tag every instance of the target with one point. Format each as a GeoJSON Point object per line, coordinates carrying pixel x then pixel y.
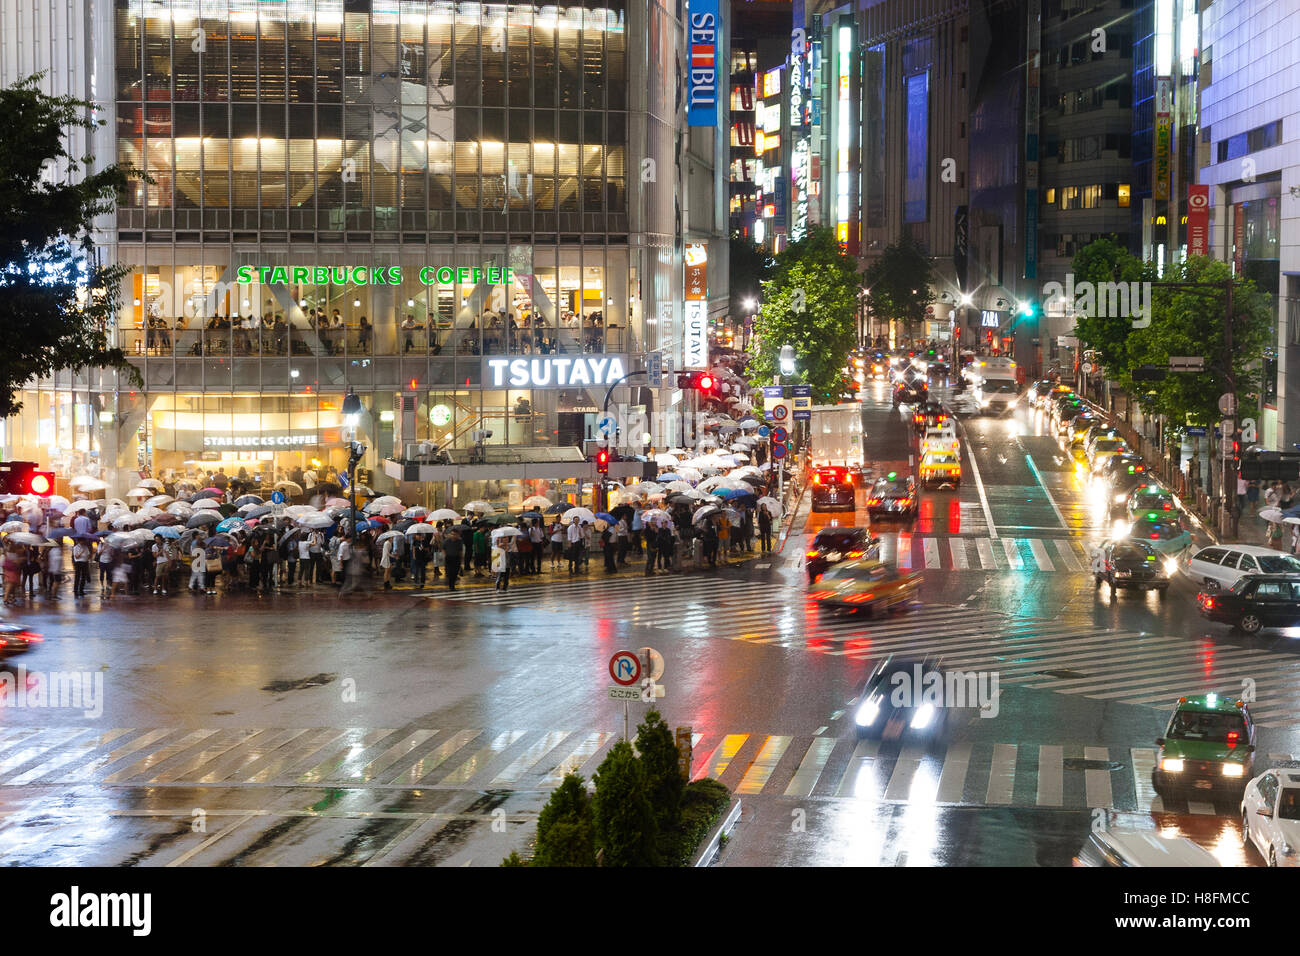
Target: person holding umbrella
{"type": "Point", "coordinates": [501, 566]}
{"type": "Point", "coordinates": [386, 560]}
{"type": "Point", "coordinates": [765, 528]}
{"type": "Point", "coordinates": [480, 542]}
{"type": "Point", "coordinates": [105, 569]}
{"type": "Point", "coordinates": [454, 549]}
{"type": "Point", "coordinates": [557, 545]}
{"type": "Point", "coordinates": [13, 575]}
{"type": "Point", "coordinates": [608, 546]}
{"type": "Point", "coordinates": [574, 537]}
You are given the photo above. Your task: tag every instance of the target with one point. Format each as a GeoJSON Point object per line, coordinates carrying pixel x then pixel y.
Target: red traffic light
{"type": "Point", "coordinates": [41, 484]}
{"type": "Point", "coordinates": [706, 383]}
{"type": "Point", "coordinates": [602, 461]}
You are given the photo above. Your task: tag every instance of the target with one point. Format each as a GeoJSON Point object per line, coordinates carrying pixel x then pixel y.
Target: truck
{"type": "Point", "coordinates": [836, 436]}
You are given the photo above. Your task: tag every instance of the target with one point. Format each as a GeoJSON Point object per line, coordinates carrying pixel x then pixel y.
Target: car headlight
{"type": "Point", "coordinates": [1171, 764]}
{"type": "Point", "coordinates": [924, 714]}
{"type": "Point", "coordinates": [1171, 566]}
{"type": "Point", "coordinates": [868, 712]}
{"type": "Point", "coordinates": [1234, 770]}
{"type": "Point", "coordinates": [984, 403]}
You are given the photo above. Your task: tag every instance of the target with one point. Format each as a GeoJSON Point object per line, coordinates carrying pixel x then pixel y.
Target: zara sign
{"type": "Point", "coordinates": [553, 371]}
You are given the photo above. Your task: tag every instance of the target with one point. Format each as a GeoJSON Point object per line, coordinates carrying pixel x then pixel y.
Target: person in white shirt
{"type": "Point", "coordinates": [306, 564]}
{"type": "Point", "coordinates": [54, 569]}
{"type": "Point", "coordinates": [537, 537]}
{"type": "Point", "coordinates": [386, 562]}
{"type": "Point", "coordinates": [575, 538]}
{"type": "Point", "coordinates": [198, 569]}
{"type": "Point", "coordinates": [161, 567]}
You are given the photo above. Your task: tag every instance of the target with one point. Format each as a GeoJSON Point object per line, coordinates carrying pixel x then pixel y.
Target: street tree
{"type": "Point", "coordinates": [663, 773]}
{"type": "Point", "coordinates": [809, 303]}
{"type": "Point", "coordinates": [900, 284]}
{"type": "Point", "coordinates": [564, 827]}
{"type": "Point", "coordinates": [57, 300]}
{"type": "Point", "coordinates": [1106, 261]}
{"type": "Point", "coordinates": [625, 827]}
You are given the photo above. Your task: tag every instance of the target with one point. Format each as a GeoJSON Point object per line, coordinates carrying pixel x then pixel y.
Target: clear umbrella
{"type": "Point", "coordinates": [443, 514]}
{"type": "Point", "coordinates": [509, 531]}
{"type": "Point", "coordinates": [537, 501]}
{"type": "Point", "coordinates": [159, 501]}
{"type": "Point", "coordinates": [773, 506]}
{"type": "Point", "coordinates": [578, 514]}
{"type": "Point", "coordinates": [151, 483]}
{"type": "Point", "coordinates": [415, 511]}
{"type": "Point", "coordinates": [478, 507]}
{"type": "Point", "coordinates": [421, 528]}
{"type": "Point", "coordinates": [87, 485]}
{"type": "Point", "coordinates": [317, 519]}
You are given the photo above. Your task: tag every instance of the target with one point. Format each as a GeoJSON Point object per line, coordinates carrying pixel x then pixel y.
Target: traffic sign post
{"type": "Point", "coordinates": [635, 675]}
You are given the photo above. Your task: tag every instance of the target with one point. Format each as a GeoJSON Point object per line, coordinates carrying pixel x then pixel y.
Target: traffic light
{"type": "Point", "coordinates": [602, 461]}
{"type": "Point", "coordinates": [697, 381]}
{"type": "Point", "coordinates": [22, 478]}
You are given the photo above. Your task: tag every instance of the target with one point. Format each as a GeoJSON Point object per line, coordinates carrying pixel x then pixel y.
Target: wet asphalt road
{"type": "Point", "coordinates": [420, 729]}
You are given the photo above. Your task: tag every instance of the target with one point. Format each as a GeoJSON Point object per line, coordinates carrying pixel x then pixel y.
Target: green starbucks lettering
{"type": "Point", "coordinates": [370, 275]}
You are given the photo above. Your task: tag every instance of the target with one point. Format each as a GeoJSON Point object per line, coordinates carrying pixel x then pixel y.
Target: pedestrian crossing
{"type": "Point", "coordinates": [1070, 657]}
{"type": "Point", "coordinates": [916, 552]}
{"type": "Point", "coordinates": [994, 774]}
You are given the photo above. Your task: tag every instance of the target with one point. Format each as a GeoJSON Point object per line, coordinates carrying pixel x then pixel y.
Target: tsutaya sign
{"type": "Point", "coordinates": [371, 275]}
{"type": "Point", "coordinates": [553, 371]}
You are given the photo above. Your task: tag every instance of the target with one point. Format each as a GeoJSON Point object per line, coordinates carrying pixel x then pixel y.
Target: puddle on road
{"type": "Point", "coordinates": [284, 686]}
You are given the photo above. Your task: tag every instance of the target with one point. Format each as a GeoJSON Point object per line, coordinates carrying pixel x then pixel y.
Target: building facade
{"type": "Point", "coordinates": [384, 196]}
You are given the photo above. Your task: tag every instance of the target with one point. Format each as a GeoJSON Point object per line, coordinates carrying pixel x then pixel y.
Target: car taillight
{"type": "Point", "coordinates": [811, 554]}
{"type": "Point", "coordinates": [1168, 506]}
{"type": "Point", "coordinates": [855, 554]}
{"type": "Point", "coordinates": [817, 479]}
{"type": "Point", "coordinates": [907, 501]}
{"type": "Point", "coordinates": [1155, 536]}
{"type": "Point", "coordinates": [31, 637]}
{"type": "Point", "coordinates": [873, 501]}
{"type": "Point", "coordinates": [1209, 602]}
{"type": "Point", "coordinates": [857, 598]}
{"type": "Point", "coordinates": [1232, 738]}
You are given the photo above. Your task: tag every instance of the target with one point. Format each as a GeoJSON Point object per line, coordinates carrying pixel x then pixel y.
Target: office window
{"type": "Point", "coordinates": [1050, 196]}
{"type": "Point", "coordinates": [1123, 192]}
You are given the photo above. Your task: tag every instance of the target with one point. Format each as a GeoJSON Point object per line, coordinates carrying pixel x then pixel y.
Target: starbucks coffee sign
{"type": "Point", "coordinates": [371, 275]}
{"type": "Point", "coordinates": [553, 371]}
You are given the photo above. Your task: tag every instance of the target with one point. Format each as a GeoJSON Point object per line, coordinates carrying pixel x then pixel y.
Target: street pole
{"type": "Point", "coordinates": [1229, 465]}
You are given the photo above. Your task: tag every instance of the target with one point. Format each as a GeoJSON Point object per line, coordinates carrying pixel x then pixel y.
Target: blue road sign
{"type": "Point", "coordinates": [778, 451]}
{"type": "Point", "coordinates": [764, 431]}
{"type": "Point", "coordinates": [343, 480]}
{"type": "Point", "coordinates": [780, 435]}
{"type": "Point", "coordinates": [277, 497]}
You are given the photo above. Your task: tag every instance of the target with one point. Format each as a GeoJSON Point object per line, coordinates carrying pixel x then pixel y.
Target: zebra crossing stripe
{"type": "Point", "coordinates": [1015, 561]}
{"type": "Point", "coordinates": [318, 741]}
{"type": "Point", "coordinates": [479, 760]}
{"type": "Point", "coordinates": [152, 760]}
{"type": "Point", "coordinates": [901, 780]}
{"type": "Point", "coordinates": [430, 762]}
{"type": "Point", "coordinates": [64, 758]}
{"type": "Point", "coordinates": [1066, 552]}
{"type": "Point", "coordinates": [722, 756]}
{"type": "Point", "coordinates": [515, 772]}
{"type": "Point", "coordinates": [579, 756]}
{"type": "Point", "coordinates": [1096, 783]}
{"type": "Point", "coordinates": [99, 763]}
{"type": "Point", "coordinates": [1040, 555]}
{"type": "Point", "coordinates": [760, 770]}
{"type": "Point", "coordinates": [1133, 665]}
{"type": "Point", "coordinates": [931, 548]}
{"type": "Point", "coordinates": [958, 548]}
{"type": "Point", "coordinates": [55, 737]}
{"type": "Point", "coordinates": [810, 768]}
{"type": "Point", "coordinates": [358, 741]}
{"type": "Point", "coordinates": [228, 741]}
{"type": "Point", "coordinates": [1051, 780]}
{"type": "Point", "coordinates": [238, 764]}
{"type": "Point", "coordinates": [394, 753]}
{"type": "Point", "coordinates": [856, 780]}
{"type": "Point", "coordinates": [1143, 762]}
{"type": "Point", "coordinates": [1002, 779]}
{"type": "Point", "coordinates": [1180, 678]}
{"type": "Point", "coordinates": [984, 548]}
{"type": "Point", "coordinates": [952, 779]}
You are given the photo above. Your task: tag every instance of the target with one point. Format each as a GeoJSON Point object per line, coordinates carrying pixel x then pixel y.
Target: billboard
{"type": "Point", "coordinates": [702, 72]}
{"type": "Point", "coordinates": [918, 132]}
{"type": "Point", "coordinates": [1198, 220]}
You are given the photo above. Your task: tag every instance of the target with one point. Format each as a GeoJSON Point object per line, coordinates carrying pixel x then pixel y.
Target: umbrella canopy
{"type": "Point", "coordinates": [245, 509]}
{"type": "Point", "coordinates": [420, 528]}
{"type": "Point", "coordinates": [729, 494]}
{"type": "Point", "coordinates": [209, 504]}
{"type": "Point", "coordinates": [258, 511]}
{"type": "Point", "coordinates": [112, 514]}
{"type": "Point", "coordinates": [83, 505]}
{"type": "Point", "coordinates": [1272, 514]}
{"type": "Point", "coordinates": [289, 487]}
{"type": "Point", "coordinates": [317, 519]}
{"type": "Point", "coordinates": [217, 541]}
{"type": "Point", "coordinates": [478, 507]}
{"type": "Point", "coordinates": [151, 483]}
{"type": "Point", "coordinates": [24, 537]}
{"type": "Point", "coordinates": [121, 540]}
{"type": "Point", "coordinates": [230, 524]}
{"type": "Point", "coordinates": [182, 508]}
{"type": "Point", "coordinates": [335, 502]}
{"type": "Point", "coordinates": [606, 516]}
{"type": "Point", "coordinates": [678, 485]}
{"type": "Point", "coordinates": [129, 520]}
{"type": "Point", "coordinates": [171, 533]}
{"type": "Point", "coordinates": [9, 526]}
{"type": "Point", "coordinates": [87, 484]}
{"type": "Point", "coordinates": [578, 514]}
{"type": "Point", "coordinates": [651, 513]}
{"type": "Point", "coordinates": [381, 507]}
{"type": "Point", "coordinates": [664, 460]}
{"type": "Point", "coordinates": [559, 508]}
{"type": "Point", "coordinates": [443, 514]}
{"type": "Point", "coordinates": [150, 512]}
{"type": "Point", "coordinates": [159, 501]}
{"type": "Point", "coordinates": [402, 524]}
{"type": "Point", "coordinates": [509, 531]}
{"type": "Point", "coordinates": [389, 534]}
{"type": "Point", "coordinates": [748, 422]}
{"type": "Point", "coordinates": [294, 511]}
{"type": "Point", "coordinates": [772, 505]}
{"type": "Point", "coordinates": [140, 493]}
{"type": "Point", "coordinates": [537, 501]}
{"type": "Point", "coordinates": [207, 493]}
{"type": "Point", "coordinates": [415, 511]}
{"type": "Point", "coordinates": [249, 500]}
{"type": "Point", "coordinates": [494, 518]}
{"type": "Point", "coordinates": [204, 517]}
{"type": "Point", "coordinates": [708, 511]}
{"type": "Point", "coordinates": [669, 476]}
{"type": "Point", "coordinates": [532, 515]}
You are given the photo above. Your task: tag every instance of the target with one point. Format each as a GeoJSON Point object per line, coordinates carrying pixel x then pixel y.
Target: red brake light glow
{"type": "Point", "coordinates": [811, 554]}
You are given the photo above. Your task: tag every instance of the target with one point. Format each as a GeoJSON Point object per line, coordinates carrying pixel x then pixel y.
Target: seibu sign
{"type": "Point", "coordinates": [553, 371]}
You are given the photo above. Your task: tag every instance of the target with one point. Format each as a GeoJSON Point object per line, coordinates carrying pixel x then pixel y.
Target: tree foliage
{"type": "Point", "coordinates": [811, 304]}
{"type": "Point", "coordinates": [900, 284]}
{"type": "Point", "coordinates": [56, 299]}
{"type": "Point", "coordinates": [564, 827]}
{"type": "Point", "coordinates": [626, 831]}
{"type": "Point", "coordinates": [663, 774]}
{"type": "Point", "coordinates": [1183, 322]}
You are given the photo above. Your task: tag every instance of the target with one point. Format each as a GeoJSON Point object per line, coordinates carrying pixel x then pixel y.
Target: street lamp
{"type": "Point", "coordinates": [787, 360]}
{"type": "Point", "coordinates": [352, 415]}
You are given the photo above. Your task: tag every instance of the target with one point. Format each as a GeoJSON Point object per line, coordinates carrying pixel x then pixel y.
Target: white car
{"type": "Point", "coordinates": [940, 440]}
{"type": "Point", "coordinates": [1219, 567]}
{"type": "Point", "coordinates": [1142, 848]}
{"type": "Point", "coordinates": [997, 395]}
{"type": "Point", "coordinates": [1270, 816]}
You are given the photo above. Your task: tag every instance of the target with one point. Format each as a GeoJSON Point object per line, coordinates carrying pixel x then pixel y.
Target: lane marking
{"type": "Point", "coordinates": [1096, 783]}
{"type": "Point", "coordinates": [952, 779]}
{"type": "Point", "coordinates": [979, 486]}
{"type": "Point", "coordinates": [1051, 782]}
{"type": "Point", "coordinates": [1002, 776]}
{"type": "Point", "coordinates": [1029, 459]}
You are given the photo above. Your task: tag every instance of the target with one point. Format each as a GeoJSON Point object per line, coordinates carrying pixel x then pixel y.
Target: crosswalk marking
{"type": "Point", "coordinates": [958, 548]}
{"type": "Point", "coordinates": [1040, 555]}
{"type": "Point", "coordinates": [984, 547]}
{"type": "Point", "coordinates": [427, 764]}
{"type": "Point", "coordinates": [34, 746]}
{"type": "Point", "coordinates": [1143, 761]}
{"type": "Point", "coordinates": [723, 755]}
{"type": "Point", "coordinates": [952, 779]}
{"type": "Point", "coordinates": [810, 768]}
{"type": "Point", "coordinates": [902, 780]}
{"type": "Point", "coordinates": [514, 773]}
{"type": "Point", "coordinates": [235, 765]}
{"type": "Point", "coordinates": [1002, 780]}
{"type": "Point", "coordinates": [477, 761]}
{"type": "Point", "coordinates": [357, 742]}
{"type": "Point", "coordinates": [394, 754]}
{"type": "Point", "coordinates": [1051, 779]}
{"type": "Point", "coordinates": [580, 754]}
{"type": "Point", "coordinates": [1096, 783]}
{"type": "Point", "coordinates": [67, 757]}
{"type": "Point", "coordinates": [856, 781]}
{"type": "Point", "coordinates": [153, 759]}
{"type": "Point", "coordinates": [761, 769]}
{"type": "Point", "coordinates": [931, 546]}
{"type": "Point", "coordinates": [1066, 555]}
{"type": "Point", "coordinates": [1015, 561]}
{"type": "Point", "coordinates": [228, 741]}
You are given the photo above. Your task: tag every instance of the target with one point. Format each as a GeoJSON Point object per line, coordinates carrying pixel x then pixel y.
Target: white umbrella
{"type": "Point", "coordinates": [141, 492]}
{"type": "Point", "coordinates": [1291, 520]}
{"type": "Point", "coordinates": [421, 528]}
{"type": "Point", "coordinates": [631, 494]}
{"type": "Point", "coordinates": [293, 511]}
{"type": "Point", "coordinates": [317, 519]}
{"type": "Point", "coordinates": [480, 507]}
{"type": "Point", "coordinates": [82, 505]}
{"type": "Point", "coordinates": [142, 535]}
{"type": "Point", "coordinates": [128, 520]}
{"type": "Point", "coordinates": [747, 422]}
{"type": "Point", "coordinates": [182, 509]}
{"type": "Point", "coordinates": [149, 513]}
{"type": "Point", "coordinates": [649, 487]}
{"type": "Point", "coordinates": [336, 502]}
{"type": "Point", "coordinates": [116, 503]}
{"type": "Point", "coordinates": [112, 514]}
{"type": "Point", "coordinates": [87, 484]}
{"type": "Point", "coordinates": [388, 534]}
{"type": "Point", "coordinates": [651, 513]}
{"type": "Point", "coordinates": [509, 531]}
{"type": "Point", "coordinates": [682, 486]}
{"type": "Point", "coordinates": [25, 537]}
{"type": "Point", "coordinates": [151, 483]}
{"type": "Point", "coordinates": [665, 460]}
{"type": "Point", "coordinates": [773, 506]}
{"type": "Point", "coordinates": [740, 456]}
{"type": "Point", "coordinates": [9, 526]}
{"type": "Point", "coordinates": [537, 501]}
{"type": "Point", "coordinates": [443, 514]}
{"type": "Point", "coordinates": [689, 474]}
{"type": "Point", "coordinates": [159, 501]}
{"type": "Point", "coordinates": [415, 511]}
{"type": "Point", "coordinates": [289, 487]}
{"type": "Point", "coordinates": [577, 514]}
{"type": "Point", "coordinates": [708, 511]}
{"type": "Point", "coordinates": [211, 504]}
{"type": "Point", "coordinates": [386, 508]}
{"type": "Point", "coordinates": [1272, 514]}
{"type": "Point", "coordinates": [387, 500]}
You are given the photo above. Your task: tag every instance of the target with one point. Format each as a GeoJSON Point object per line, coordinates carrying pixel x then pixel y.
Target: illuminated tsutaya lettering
{"type": "Point", "coordinates": [555, 372]}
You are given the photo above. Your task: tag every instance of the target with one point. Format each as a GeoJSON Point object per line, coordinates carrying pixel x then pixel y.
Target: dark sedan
{"type": "Point", "coordinates": [1132, 564]}
{"type": "Point", "coordinates": [1255, 602]}
{"type": "Point", "coordinates": [833, 545]}
{"type": "Point", "coordinates": [910, 393]}
{"type": "Point", "coordinates": [14, 639]}
{"type": "Point", "coordinates": [898, 699]}
{"type": "Point", "coordinates": [929, 415]}
{"type": "Point", "coordinates": [892, 497]}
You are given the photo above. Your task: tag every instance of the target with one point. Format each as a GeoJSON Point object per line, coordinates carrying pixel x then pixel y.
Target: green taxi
{"type": "Point", "coordinates": [1209, 745]}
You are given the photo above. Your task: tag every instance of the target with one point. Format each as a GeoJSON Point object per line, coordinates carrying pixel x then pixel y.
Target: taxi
{"type": "Point", "coordinates": [1162, 531]}
{"type": "Point", "coordinates": [1078, 429]}
{"type": "Point", "coordinates": [866, 585]}
{"type": "Point", "coordinates": [940, 468]}
{"type": "Point", "coordinates": [1148, 499]}
{"type": "Point", "coordinates": [940, 440]}
{"type": "Point", "coordinates": [1208, 745]}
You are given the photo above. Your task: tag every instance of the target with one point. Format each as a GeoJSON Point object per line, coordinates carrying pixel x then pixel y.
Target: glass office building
{"type": "Point", "coordinates": [377, 195]}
